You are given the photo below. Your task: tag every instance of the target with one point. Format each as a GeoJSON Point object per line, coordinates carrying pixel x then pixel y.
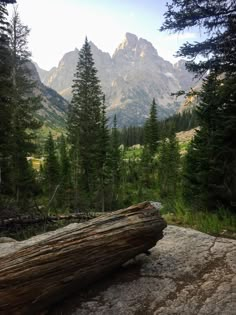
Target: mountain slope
{"type": "Point", "coordinates": [54, 106]}
{"type": "Point", "coordinates": [131, 78]}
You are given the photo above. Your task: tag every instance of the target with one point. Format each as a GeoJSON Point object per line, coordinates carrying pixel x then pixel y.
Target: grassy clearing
{"type": "Point", "coordinates": [133, 153]}
{"type": "Point", "coordinates": [183, 147]}
{"type": "Point", "coordinates": [221, 223]}
{"type": "Point", "coordinates": [46, 128]}
{"type": "Point", "coordinates": [36, 162]}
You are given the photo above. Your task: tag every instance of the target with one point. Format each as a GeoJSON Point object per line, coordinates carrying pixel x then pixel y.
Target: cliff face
{"type": "Point", "coordinates": [131, 78]}
{"type": "Point", "coordinates": [54, 106]}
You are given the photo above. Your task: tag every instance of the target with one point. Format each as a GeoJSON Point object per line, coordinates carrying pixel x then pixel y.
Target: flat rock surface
{"type": "Point", "coordinates": [187, 273]}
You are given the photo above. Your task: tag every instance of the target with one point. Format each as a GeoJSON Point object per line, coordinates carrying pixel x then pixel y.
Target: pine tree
{"type": "Point", "coordinates": [212, 153]}
{"type": "Point", "coordinates": [64, 173]}
{"type": "Point", "coordinates": [115, 162]}
{"type": "Point", "coordinates": [151, 137]}
{"type": "Point", "coordinates": [151, 130]}
{"type": "Point", "coordinates": [51, 168]}
{"type": "Point", "coordinates": [217, 18]}
{"type": "Point", "coordinates": [174, 166]}
{"type": "Point", "coordinates": [169, 167]}
{"type": "Point", "coordinates": [198, 157]}
{"type": "Point", "coordinates": [103, 156]}
{"type": "Point", "coordinates": [7, 1]}
{"type": "Point", "coordinates": [163, 168]}
{"type": "Point", "coordinates": [84, 126]}
{"type": "Point", "coordinates": [64, 161]}
{"type": "Point", "coordinates": [223, 172]}
{"type": "Point", "coordinates": [131, 135]}
{"type": "Point", "coordinates": [5, 98]}
{"type": "Point", "coordinates": [23, 120]}
{"type": "Point", "coordinates": [209, 172]}
{"type": "Point", "coordinates": [147, 168]}
{"type": "Point", "coordinates": [74, 154]}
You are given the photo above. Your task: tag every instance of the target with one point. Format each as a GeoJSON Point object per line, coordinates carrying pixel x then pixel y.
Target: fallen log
{"type": "Point", "coordinates": [23, 221]}
{"type": "Point", "coordinates": [44, 269]}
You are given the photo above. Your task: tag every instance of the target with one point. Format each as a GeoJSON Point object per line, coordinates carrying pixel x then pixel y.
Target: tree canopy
{"type": "Point", "coordinates": [7, 1]}
{"type": "Point", "coordinates": [87, 127]}
{"type": "Point", "coordinates": [210, 161]}
{"type": "Point", "coordinates": [218, 19]}
{"type": "Point", "coordinates": [151, 129]}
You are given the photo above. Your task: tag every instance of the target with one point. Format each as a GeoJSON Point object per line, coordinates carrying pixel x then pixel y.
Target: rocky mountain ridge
{"type": "Point", "coordinates": [54, 106]}
{"type": "Point", "coordinates": [130, 78]}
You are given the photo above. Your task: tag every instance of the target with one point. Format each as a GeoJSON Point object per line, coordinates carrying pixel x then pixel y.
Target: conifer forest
{"type": "Point", "coordinates": [93, 165]}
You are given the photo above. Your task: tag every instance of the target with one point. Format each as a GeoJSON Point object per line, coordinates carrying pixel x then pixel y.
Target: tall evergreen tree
{"type": "Point", "coordinates": [217, 17]}
{"type": "Point", "coordinates": [7, 1]}
{"type": "Point", "coordinates": [23, 121]}
{"type": "Point", "coordinates": [174, 164]}
{"type": "Point", "coordinates": [115, 162]}
{"type": "Point", "coordinates": [197, 161]}
{"type": "Point", "coordinates": [64, 195]}
{"type": "Point", "coordinates": [5, 97]}
{"type": "Point", "coordinates": [163, 168]}
{"type": "Point", "coordinates": [212, 153]}
{"type": "Point", "coordinates": [74, 154]}
{"type": "Point", "coordinates": [104, 137]}
{"type": "Point", "coordinates": [51, 168]}
{"type": "Point", "coordinates": [169, 167]}
{"type": "Point", "coordinates": [151, 137]}
{"type": "Point", "coordinates": [151, 130]}
{"type": "Point", "coordinates": [64, 161]}
{"type": "Point", "coordinates": [209, 169]}
{"type": "Point", "coordinates": [103, 156]}
{"type": "Point", "coordinates": [84, 125]}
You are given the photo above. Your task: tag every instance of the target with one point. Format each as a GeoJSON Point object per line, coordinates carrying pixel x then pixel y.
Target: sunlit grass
{"type": "Point", "coordinates": [219, 223]}
{"type": "Point", "coordinates": [133, 153]}
{"type": "Point", "coordinates": [36, 163]}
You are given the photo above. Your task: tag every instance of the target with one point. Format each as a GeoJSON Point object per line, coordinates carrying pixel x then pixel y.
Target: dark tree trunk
{"type": "Point", "coordinates": [23, 221]}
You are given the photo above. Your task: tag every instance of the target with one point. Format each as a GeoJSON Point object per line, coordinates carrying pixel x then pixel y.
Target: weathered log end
{"type": "Point", "coordinates": [44, 269]}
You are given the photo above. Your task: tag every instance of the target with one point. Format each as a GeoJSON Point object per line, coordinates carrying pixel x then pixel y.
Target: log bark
{"type": "Point", "coordinates": [41, 271]}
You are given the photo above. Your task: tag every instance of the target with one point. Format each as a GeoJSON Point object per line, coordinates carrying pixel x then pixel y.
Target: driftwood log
{"type": "Point", "coordinates": [44, 269]}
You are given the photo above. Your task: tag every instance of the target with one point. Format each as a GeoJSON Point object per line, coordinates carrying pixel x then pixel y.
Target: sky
{"type": "Point", "coordinates": [59, 26]}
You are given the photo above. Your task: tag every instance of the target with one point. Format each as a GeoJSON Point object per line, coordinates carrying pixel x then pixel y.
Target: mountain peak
{"type": "Point", "coordinates": [146, 48]}
{"type": "Point", "coordinates": [180, 64]}
{"type": "Point", "coordinates": [131, 39]}
{"type": "Point", "coordinates": [91, 44]}
{"type": "Point", "coordinates": [133, 47]}
{"type": "Point", "coordinates": [129, 42]}
{"type": "Point", "coordinates": [131, 78]}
